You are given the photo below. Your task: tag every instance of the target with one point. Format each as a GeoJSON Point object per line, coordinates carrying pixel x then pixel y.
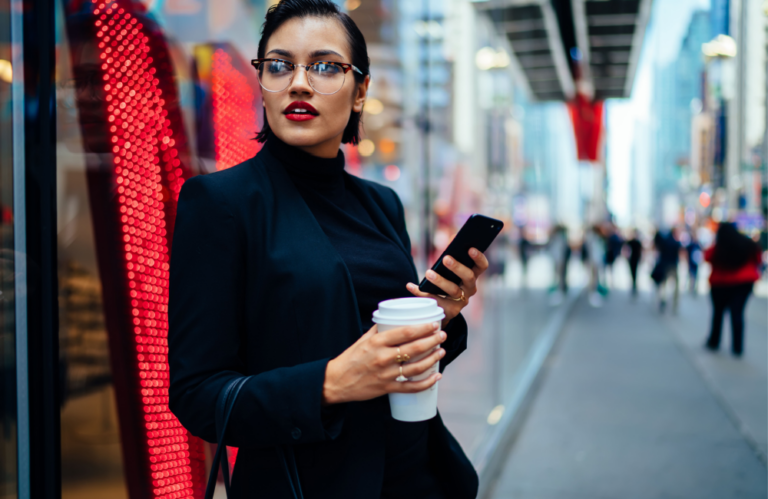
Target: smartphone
{"type": "Point", "coordinates": [478, 232]}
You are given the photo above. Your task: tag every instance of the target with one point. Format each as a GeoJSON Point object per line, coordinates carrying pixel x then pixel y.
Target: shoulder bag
{"type": "Point", "coordinates": [223, 410]}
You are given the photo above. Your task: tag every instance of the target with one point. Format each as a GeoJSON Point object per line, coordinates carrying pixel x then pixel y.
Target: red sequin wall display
{"type": "Point", "coordinates": [150, 160]}
{"type": "Point", "coordinates": [234, 114]}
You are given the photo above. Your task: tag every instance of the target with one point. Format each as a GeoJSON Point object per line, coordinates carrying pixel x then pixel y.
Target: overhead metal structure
{"type": "Point", "coordinates": [565, 46]}
{"type": "Point", "coordinates": [532, 30]}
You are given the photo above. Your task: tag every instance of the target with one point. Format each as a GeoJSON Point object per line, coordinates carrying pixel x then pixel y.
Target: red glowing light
{"type": "Point", "coordinates": [143, 147]}
{"type": "Point", "coordinates": [391, 173]}
{"type": "Point", "coordinates": [704, 199]}
{"type": "Point", "coordinates": [234, 118]}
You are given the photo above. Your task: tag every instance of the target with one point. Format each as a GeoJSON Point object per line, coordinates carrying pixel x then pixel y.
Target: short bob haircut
{"type": "Point", "coordinates": [286, 10]}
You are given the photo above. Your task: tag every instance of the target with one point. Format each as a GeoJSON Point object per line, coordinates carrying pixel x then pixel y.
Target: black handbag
{"type": "Point", "coordinates": [224, 406]}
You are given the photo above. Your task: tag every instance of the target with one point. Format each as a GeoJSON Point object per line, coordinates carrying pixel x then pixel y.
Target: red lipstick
{"type": "Point", "coordinates": [300, 111]}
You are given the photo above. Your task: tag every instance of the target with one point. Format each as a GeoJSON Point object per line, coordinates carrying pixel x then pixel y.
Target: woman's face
{"type": "Point", "coordinates": [304, 41]}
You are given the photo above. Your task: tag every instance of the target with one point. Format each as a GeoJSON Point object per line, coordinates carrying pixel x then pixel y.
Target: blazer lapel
{"type": "Point", "coordinates": [379, 217]}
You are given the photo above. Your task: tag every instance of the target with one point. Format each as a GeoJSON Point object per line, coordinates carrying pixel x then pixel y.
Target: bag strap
{"type": "Point", "coordinates": [224, 406]}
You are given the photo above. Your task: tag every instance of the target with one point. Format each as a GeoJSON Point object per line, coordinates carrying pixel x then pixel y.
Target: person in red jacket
{"type": "Point", "coordinates": [735, 261]}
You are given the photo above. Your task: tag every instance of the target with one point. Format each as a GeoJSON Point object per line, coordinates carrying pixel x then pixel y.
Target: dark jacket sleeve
{"type": "Point", "coordinates": [206, 316]}
{"type": "Point", "coordinates": [457, 328]}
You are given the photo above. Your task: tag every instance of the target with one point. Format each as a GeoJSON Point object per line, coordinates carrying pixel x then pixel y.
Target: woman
{"type": "Point", "coordinates": [735, 261]}
{"type": "Point", "coordinates": [278, 265]}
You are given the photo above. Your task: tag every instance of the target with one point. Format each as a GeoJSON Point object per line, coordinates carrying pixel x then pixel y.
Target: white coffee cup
{"type": "Point", "coordinates": [407, 312]}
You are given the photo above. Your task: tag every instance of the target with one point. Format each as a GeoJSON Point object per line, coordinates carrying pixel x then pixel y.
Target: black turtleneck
{"type": "Point", "coordinates": [380, 270]}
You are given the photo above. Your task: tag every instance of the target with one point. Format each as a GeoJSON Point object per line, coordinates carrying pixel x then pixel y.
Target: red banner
{"type": "Point", "coordinates": [587, 119]}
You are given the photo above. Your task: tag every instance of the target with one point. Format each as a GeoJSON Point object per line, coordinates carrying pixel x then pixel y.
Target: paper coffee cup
{"type": "Point", "coordinates": [406, 312]}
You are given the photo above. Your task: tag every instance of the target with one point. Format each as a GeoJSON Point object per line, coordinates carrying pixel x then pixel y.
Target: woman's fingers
{"type": "Point", "coordinates": [407, 334]}
{"type": "Point", "coordinates": [441, 282]}
{"type": "Point", "coordinates": [414, 386]}
{"type": "Point", "coordinates": [414, 289]}
{"type": "Point", "coordinates": [415, 368]}
{"type": "Point", "coordinates": [481, 262]}
{"type": "Point", "coordinates": [420, 346]}
{"type": "Point", "coordinates": [467, 275]}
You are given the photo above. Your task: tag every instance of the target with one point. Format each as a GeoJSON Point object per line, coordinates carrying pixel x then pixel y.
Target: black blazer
{"type": "Point", "coordinates": [256, 288]}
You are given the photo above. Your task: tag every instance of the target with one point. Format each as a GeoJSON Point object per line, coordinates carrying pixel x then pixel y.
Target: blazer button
{"type": "Point", "coordinates": [296, 433]}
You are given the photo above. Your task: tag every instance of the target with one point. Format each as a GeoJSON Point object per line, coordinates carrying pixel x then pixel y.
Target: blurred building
{"type": "Point", "coordinates": [678, 94]}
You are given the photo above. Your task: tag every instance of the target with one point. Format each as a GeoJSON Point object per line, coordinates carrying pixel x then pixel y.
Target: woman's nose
{"type": "Point", "coordinates": [300, 81]}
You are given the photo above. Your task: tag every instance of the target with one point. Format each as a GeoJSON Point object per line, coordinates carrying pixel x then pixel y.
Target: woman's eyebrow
{"type": "Point", "coordinates": [314, 54]}
{"type": "Point", "coordinates": [284, 53]}
{"type": "Point", "coordinates": [324, 52]}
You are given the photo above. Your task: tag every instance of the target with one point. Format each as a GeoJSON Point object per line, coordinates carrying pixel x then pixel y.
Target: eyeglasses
{"type": "Point", "coordinates": [325, 77]}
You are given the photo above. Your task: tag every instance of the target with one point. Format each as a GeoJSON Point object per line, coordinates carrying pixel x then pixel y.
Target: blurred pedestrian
{"type": "Point", "coordinates": [635, 247]}
{"type": "Point", "coordinates": [693, 258]}
{"type": "Point", "coordinates": [735, 261]}
{"type": "Point", "coordinates": [665, 271]}
{"type": "Point", "coordinates": [613, 245]}
{"type": "Point", "coordinates": [595, 246]}
{"type": "Point", "coordinates": [524, 247]}
{"type": "Point", "coordinates": [560, 252]}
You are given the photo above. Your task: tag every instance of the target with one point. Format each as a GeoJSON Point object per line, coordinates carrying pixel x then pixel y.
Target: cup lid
{"type": "Point", "coordinates": [408, 311]}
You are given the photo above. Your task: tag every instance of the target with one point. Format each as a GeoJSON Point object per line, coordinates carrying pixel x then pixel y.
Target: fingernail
{"type": "Point", "coordinates": [439, 376]}
{"type": "Point", "coordinates": [431, 275]}
{"type": "Point", "coordinates": [448, 261]}
{"type": "Point", "coordinates": [473, 252]}
{"type": "Point", "coordinates": [435, 325]}
{"type": "Point", "coordinates": [409, 285]}
{"type": "Point", "coordinates": [443, 335]}
{"type": "Point", "coordinates": [442, 353]}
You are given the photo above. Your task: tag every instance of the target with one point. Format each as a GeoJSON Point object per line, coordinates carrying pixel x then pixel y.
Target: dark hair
{"type": "Point", "coordinates": [732, 248]}
{"type": "Point", "coordinates": [286, 10]}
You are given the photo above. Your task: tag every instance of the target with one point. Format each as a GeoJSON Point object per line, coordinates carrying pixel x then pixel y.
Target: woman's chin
{"type": "Point", "coordinates": [298, 136]}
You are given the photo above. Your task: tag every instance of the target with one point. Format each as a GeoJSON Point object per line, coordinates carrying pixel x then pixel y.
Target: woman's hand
{"type": "Point", "coordinates": [458, 295]}
{"type": "Point", "coordinates": [368, 368]}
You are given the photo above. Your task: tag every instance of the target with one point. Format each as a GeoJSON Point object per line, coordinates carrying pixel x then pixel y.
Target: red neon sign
{"type": "Point", "coordinates": [145, 150]}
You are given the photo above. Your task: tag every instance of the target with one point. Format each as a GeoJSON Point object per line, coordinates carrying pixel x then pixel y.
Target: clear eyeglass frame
{"type": "Point", "coordinates": [343, 65]}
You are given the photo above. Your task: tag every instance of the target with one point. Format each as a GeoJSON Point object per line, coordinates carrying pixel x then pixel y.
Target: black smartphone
{"type": "Point", "coordinates": [478, 232]}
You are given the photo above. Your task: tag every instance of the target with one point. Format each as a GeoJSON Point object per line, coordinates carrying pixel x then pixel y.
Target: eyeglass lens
{"type": "Point", "coordinates": [324, 78]}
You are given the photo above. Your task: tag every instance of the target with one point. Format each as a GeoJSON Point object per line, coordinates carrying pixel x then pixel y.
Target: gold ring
{"type": "Point", "coordinates": [401, 378]}
{"type": "Point", "coordinates": [401, 358]}
{"type": "Point", "coordinates": [463, 298]}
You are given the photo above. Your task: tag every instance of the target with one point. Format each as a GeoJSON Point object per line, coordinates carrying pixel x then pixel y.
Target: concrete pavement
{"type": "Point", "coordinates": [740, 385]}
{"type": "Point", "coordinates": [630, 407]}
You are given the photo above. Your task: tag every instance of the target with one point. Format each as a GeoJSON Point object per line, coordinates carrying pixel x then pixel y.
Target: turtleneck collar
{"type": "Point", "coordinates": [303, 165]}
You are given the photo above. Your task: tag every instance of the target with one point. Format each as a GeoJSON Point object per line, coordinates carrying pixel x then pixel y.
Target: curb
{"type": "Point", "coordinates": [490, 455]}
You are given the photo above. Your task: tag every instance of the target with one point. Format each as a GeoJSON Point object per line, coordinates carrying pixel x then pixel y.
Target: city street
{"type": "Point", "coordinates": [203, 201]}
{"type": "Point", "coordinates": [632, 406]}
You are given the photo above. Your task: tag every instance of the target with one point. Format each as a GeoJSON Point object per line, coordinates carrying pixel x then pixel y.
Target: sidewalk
{"type": "Point", "coordinates": [741, 385]}
{"type": "Point", "coordinates": [505, 320]}
{"type": "Point", "coordinates": [629, 407]}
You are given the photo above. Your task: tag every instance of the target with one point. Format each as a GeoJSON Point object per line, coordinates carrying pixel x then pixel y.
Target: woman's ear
{"type": "Point", "coordinates": [362, 92]}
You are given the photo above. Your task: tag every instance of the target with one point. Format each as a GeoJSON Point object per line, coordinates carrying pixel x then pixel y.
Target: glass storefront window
{"type": "Point", "coordinates": [9, 124]}
{"type": "Point", "coordinates": [148, 95]}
